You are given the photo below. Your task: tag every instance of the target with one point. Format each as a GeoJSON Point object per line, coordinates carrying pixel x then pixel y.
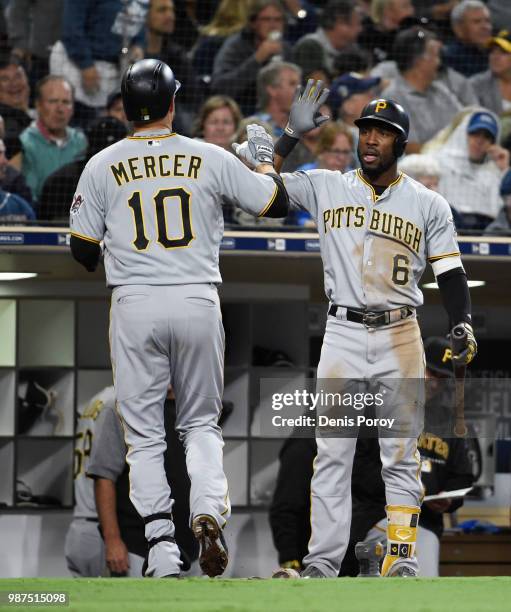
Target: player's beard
{"type": "Point", "coordinates": [373, 172]}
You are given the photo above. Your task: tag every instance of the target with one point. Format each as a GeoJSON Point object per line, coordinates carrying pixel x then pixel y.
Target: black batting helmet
{"type": "Point", "coordinates": [148, 88]}
{"type": "Point", "coordinates": [391, 114]}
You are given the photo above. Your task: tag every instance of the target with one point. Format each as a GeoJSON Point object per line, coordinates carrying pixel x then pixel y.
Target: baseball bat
{"type": "Point", "coordinates": [458, 341]}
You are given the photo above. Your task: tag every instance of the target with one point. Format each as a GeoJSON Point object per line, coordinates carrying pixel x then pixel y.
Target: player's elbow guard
{"type": "Point", "coordinates": [85, 252]}
{"type": "Point", "coordinates": [280, 205]}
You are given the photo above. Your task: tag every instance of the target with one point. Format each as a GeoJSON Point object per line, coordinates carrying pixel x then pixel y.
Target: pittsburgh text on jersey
{"type": "Point", "coordinates": [383, 223]}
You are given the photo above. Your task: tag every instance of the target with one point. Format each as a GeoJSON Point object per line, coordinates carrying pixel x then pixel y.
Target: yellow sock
{"type": "Point", "coordinates": [401, 534]}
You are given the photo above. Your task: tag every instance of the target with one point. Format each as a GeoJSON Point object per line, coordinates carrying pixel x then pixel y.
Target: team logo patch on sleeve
{"type": "Point", "coordinates": [77, 204]}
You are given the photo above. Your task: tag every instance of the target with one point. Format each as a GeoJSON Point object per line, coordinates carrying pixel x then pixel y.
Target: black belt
{"type": "Point", "coordinates": [371, 318]}
{"type": "Point", "coordinates": [91, 520]}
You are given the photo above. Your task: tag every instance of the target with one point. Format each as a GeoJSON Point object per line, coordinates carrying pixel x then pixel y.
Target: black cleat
{"type": "Point", "coordinates": [213, 549]}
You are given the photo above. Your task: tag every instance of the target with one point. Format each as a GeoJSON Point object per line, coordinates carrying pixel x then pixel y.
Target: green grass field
{"type": "Point", "coordinates": [204, 595]}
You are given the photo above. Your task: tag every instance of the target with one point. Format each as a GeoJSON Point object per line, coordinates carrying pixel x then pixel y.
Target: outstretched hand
{"type": "Point", "coordinates": [258, 149]}
{"type": "Point", "coordinates": [305, 114]}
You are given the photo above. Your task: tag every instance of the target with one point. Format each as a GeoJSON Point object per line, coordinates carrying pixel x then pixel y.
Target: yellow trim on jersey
{"type": "Point", "coordinates": [152, 137]}
{"type": "Point", "coordinates": [268, 206]}
{"type": "Point", "coordinates": [83, 237]}
{"type": "Point", "coordinates": [375, 195]}
{"type": "Point", "coordinates": [437, 257]}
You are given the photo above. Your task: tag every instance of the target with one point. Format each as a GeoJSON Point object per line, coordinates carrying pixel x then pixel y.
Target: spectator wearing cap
{"type": "Point", "coordinates": [471, 24]}
{"type": "Point", "coordinates": [244, 53]}
{"type": "Point", "coordinates": [379, 31]}
{"type": "Point", "coordinates": [493, 87]}
{"type": "Point", "coordinates": [59, 188]}
{"type": "Point", "coordinates": [349, 94]}
{"type": "Point", "coordinates": [430, 105]}
{"type": "Point", "coordinates": [339, 26]}
{"type": "Point", "coordinates": [472, 166]}
{"type": "Point", "coordinates": [14, 102]}
{"type": "Point", "coordinates": [49, 143]}
{"type": "Point", "coordinates": [276, 87]}
{"type": "Point", "coordinates": [502, 224]}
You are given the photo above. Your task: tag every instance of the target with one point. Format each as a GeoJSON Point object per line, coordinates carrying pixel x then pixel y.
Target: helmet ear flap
{"type": "Point", "coordinates": [400, 145]}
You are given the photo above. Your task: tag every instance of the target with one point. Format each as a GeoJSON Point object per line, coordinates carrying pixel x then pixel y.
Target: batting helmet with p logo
{"type": "Point", "coordinates": [392, 115]}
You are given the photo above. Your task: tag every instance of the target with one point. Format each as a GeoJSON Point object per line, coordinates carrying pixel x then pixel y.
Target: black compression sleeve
{"type": "Point", "coordinates": [285, 144]}
{"type": "Point", "coordinates": [280, 205]}
{"type": "Point", "coordinates": [85, 252]}
{"type": "Point", "coordinates": [455, 295]}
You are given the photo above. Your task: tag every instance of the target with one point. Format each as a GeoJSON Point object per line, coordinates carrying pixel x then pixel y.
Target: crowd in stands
{"type": "Point", "coordinates": [448, 62]}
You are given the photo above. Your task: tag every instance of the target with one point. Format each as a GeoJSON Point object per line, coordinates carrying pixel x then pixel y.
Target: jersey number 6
{"type": "Point", "coordinates": [401, 269]}
{"type": "Point", "coordinates": [141, 241]}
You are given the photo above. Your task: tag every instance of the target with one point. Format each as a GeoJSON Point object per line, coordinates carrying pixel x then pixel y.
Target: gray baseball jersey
{"type": "Point", "coordinates": [374, 249]}
{"type": "Point", "coordinates": [156, 201]}
{"type": "Point", "coordinates": [85, 505]}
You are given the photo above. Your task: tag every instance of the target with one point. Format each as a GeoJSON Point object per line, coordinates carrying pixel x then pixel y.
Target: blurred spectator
{"type": "Point", "coordinates": [426, 170]}
{"type": "Point", "coordinates": [49, 143]}
{"type": "Point", "coordinates": [339, 27]}
{"type": "Point", "coordinates": [500, 11]}
{"type": "Point", "coordinates": [242, 54]}
{"type": "Point", "coordinates": [94, 33]}
{"type": "Point", "coordinates": [276, 87]}
{"type": "Point", "coordinates": [14, 209]}
{"type": "Point", "coordinates": [428, 102]}
{"type": "Point", "coordinates": [115, 108]}
{"type": "Point", "coordinates": [160, 44]}
{"type": "Point", "coordinates": [354, 59]}
{"type": "Point", "coordinates": [14, 97]}
{"type": "Point", "coordinates": [59, 188]}
{"type": "Point", "coordinates": [455, 82]}
{"type": "Point", "coordinates": [12, 180]}
{"type": "Point", "coordinates": [34, 26]}
{"type": "Point", "coordinates": [379, 31]}
{"type": "Point", "coordinates": [230, 17]}
{"type": "Point", "coordinates": [472, 166]}
{"type": "Point", "coordinates": [2, 127]}
{"type": "Point", "coordinates": [349, 94]}
{"type": "Point", "coordinates": [302, 18]}
{"type": "Point", "coordinates": [218, 121]}
{"type": "Point", "coordinates": [502, 223]}
{"type": "Point", "coordinates": [334, 151]}
{"type": "Point", "coordinates": [468, 54]}
{"type": "Point", "coordinates": [493, 87]}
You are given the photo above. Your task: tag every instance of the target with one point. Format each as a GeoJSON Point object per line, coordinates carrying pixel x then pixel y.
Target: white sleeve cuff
{"type": "Point", "coordinates": [445, 264]}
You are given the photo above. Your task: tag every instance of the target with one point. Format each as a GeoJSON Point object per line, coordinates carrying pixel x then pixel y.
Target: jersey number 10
{"type": "Point", "coordinates": [141, 241]}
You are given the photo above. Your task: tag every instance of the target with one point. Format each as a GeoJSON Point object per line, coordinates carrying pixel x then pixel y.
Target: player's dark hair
{"type": "Point", "coordinates": [409, 45]}
{"type": "Point", "coordinates": [334, 10]}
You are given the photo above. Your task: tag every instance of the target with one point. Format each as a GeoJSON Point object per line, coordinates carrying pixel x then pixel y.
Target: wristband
{"type": "Point", "coordinates": [285, 144]}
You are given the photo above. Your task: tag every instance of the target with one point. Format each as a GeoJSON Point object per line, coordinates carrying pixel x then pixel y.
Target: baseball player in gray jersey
{"type": "Point", "coordinates": [84, 549]}
{"type": "Point", "coordinates": [154, 200]}
{"type": "Point", "coordinates": [377, 229]}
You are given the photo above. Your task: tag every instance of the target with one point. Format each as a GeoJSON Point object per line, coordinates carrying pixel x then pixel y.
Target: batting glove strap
{"type": "Point", "coordinates": [465, 354]}
{"type": "Point", "coordinates": [260, 144]}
